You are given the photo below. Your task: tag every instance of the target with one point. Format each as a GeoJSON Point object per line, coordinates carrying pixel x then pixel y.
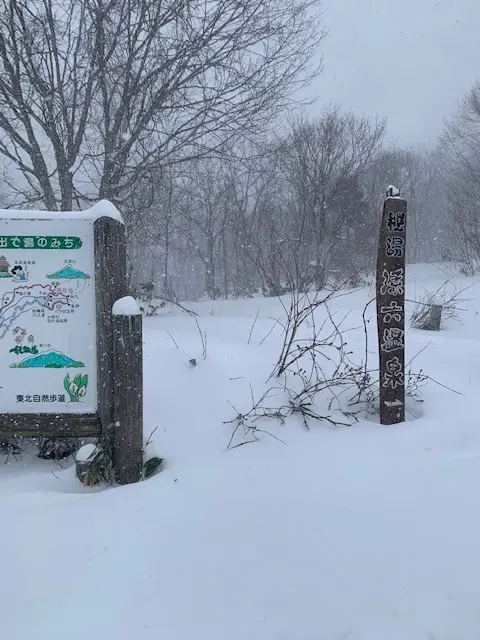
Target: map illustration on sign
{"type": "Point", "coordinates": [48, 358]}
{"type": "Point", "coordinates": [69, 273]}
{"type": "Point", "coordinates": [21, 299]}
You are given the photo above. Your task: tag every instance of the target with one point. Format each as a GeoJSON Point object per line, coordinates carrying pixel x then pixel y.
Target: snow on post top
{"type": "Point", "coordinates": [392, 192]}
{"type": "Point", "coordinates": [103, 209]}
{"type": "Point", "coordinates": [84, 453]}
{"type": "Point", "coordinates": [126, 306]}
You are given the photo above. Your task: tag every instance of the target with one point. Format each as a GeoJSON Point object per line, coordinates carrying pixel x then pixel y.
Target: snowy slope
{"type": "Point", "coordinates": [360, 533]}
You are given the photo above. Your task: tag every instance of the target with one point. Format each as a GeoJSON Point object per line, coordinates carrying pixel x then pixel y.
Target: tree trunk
{"type": "Point", "coordinates": [225, 264]}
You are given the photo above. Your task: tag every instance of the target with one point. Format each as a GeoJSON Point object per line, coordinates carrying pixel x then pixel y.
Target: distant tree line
{"type": "Point", "coordinates": [181, 113]}
{"type": "Point", "coordinates": [290, 210]}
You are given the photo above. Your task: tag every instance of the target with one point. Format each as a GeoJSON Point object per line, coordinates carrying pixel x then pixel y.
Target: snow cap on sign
{"type": "Point", "coordinates": [126, 306]}
{"type": "Point", "coordinates": [103, 209]}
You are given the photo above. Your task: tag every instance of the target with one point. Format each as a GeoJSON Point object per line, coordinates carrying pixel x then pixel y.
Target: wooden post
{"type": "Point", "coordinates": [128, 391]}
{"type": "Point", "coordinates": [391, 308]}
{"type": "Point", "coordinates": [111, 273]}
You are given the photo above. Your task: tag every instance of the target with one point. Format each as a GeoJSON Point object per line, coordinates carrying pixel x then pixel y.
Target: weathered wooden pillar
{"type": "Point", "coordinates": [128, 391]}
{"type": "Point", "coordinates": [111, 273]}
{"type": "Point", "coordinates": [433, 320]}
{"type": "Point", "coordinates": [391, 308]}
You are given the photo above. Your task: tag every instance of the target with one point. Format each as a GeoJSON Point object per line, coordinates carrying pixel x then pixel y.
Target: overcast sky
{"type": "Point", "coordinates": [409, 60]}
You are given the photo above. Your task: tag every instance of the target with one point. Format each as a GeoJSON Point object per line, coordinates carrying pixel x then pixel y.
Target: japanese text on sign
{"type": "Point", "coordinates": [40, 398]}
{"type": "Point", "coordinates": [393, 283]}
{"type": "Point", "coordinates": [396, 221]}
{"type": "Point", "coordinates": [392, 339]}
{"type": "Point", "coordinates": [393, 376]}
{"type": "Point", "coordinates": [40, 242]}
{"type": "Point", "coordinates": [395, 247]}
{"type": "Point", "coordinates": [392, 312]}
{"type": "Point", "coordinates": [390, 290]}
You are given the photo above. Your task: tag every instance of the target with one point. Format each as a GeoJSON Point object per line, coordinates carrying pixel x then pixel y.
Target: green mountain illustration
{"type": "Point", "coordinates": [48, 360]}
{"type": "Point", "coordinates": [69, 273]}
{"type": "Point", "coordinates": [4, 274]}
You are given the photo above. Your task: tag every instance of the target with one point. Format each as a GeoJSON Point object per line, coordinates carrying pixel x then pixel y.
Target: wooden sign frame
{"type": "Point", "coordinates": [111, 277]}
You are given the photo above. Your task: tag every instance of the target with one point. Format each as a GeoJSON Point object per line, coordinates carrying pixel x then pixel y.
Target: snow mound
{"type": "Point", "coordinates": [84, 453]}
{"type": "Point", "coordinates": [126, 306]}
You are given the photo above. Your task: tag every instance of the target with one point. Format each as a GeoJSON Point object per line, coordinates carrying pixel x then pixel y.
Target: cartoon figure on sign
{"type": "Point", "coordinates": [19, 274]}
{"type": "Point", "coordinates": [77, 387]}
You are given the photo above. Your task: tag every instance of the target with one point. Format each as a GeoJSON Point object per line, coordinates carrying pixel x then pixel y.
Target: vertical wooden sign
{"type": "Point", "coordinates": [391, 308]}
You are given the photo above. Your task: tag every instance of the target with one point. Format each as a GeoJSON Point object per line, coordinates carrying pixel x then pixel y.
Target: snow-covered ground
{"type": "Point", "coordinates": [358, 533]}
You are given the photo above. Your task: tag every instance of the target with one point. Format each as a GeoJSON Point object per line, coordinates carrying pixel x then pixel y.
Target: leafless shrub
{"type": "Point", "coordinates": [312, 373]}
{"type": "Point", "coordinates": [316, 378]}
{"type": "Point", "coordinates": [9, 449]}
{"type": "Point", "coordinates": [296, 400]}
{"type": "Point", "coordinates": [246, 424]}
{"type": "Point", "coordinates": [45, 448]}
{"type": "Point", "coordinates": [366, 398]}
{"type": "Point", "coordinates": [301, 314]}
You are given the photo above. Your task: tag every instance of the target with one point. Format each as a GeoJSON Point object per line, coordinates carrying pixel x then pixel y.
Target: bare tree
{"type": "Point", "coordinates": [251, 219]}
{"type": "Point", "coordinates": [204, 217]}
{"type": "Point", "coordinates": [244, 176]}
{"type": "Point", "coordinates": [418, 174]}
{"type": "Point", "coordinates": [95, 95]}
{"type": "Point", "coordinates": [461, 156]}
{"type": "Point", "coordinates": [323, 160]}
{"type": "Point", "coordinates": [269, 245]}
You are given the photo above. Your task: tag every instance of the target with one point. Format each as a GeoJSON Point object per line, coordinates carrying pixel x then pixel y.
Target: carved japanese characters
{"type": "Point", "coordinates": [391, 310]}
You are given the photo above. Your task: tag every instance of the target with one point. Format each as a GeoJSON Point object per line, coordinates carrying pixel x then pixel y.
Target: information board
{"type": "Point", "coordinates": [48, 359]}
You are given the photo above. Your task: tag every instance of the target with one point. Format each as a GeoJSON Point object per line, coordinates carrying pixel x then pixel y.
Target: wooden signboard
{"type": "Point", "coordinates": [391, 308]}
{"type": "Point", "coordinates": [60, 275]}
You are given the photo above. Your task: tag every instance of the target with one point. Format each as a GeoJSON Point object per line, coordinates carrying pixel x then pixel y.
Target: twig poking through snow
{"type": "Point", "coordinates": [173, 339]}
{"type": "Point", "coordinates": [253, 326]}
{"type": "Point", "coordinates": [203, 338]}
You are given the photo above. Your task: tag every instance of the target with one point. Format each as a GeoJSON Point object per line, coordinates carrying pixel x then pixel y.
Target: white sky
{"type": "Point", "coordinates": [409, 60]}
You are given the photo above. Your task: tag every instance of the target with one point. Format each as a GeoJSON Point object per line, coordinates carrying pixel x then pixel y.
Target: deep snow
{"type": "Point", "coordinates": [359, 533]}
